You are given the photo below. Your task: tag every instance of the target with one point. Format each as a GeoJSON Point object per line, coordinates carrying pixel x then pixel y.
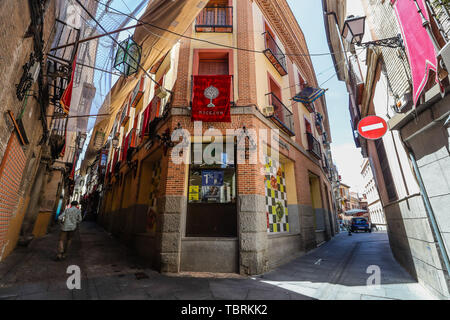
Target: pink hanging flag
{"type": "Point", "coordinates": [419, 46]}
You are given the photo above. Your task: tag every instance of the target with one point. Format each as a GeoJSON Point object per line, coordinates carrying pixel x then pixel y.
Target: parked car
{"type": "Point", "coordinates": [360, 224]}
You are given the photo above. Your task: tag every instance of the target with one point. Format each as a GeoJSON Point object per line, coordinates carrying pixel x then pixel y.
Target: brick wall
{"type": "Point", "coordinates": [15, 51]}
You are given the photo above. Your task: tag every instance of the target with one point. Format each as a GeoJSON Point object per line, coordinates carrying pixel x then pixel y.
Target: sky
{"type": "Point", "coordinates": [347, 157]}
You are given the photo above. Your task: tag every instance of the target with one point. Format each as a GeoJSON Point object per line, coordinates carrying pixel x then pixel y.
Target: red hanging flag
{"type": "Point", "coordinates": [67, 95]}
{"type": "Point", "coordinates": [418, 44]}
{"type": "Point", "coordinates": [211, 98]}
{"type": "Point", "coordinates": [72, 172]}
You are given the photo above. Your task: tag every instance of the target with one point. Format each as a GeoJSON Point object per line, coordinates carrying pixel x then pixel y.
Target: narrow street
{"type": "Point", "coordinates": [336, 270]}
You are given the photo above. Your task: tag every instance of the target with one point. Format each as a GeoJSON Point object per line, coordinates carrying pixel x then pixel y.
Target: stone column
{"type": "Point", "coordinates": [168, 232]}
{"type": "Point", "coordinates": [252, 219]}
{"type": "Point", "coordinates": [252, 234]}
{"type": "Point", "coordinates": [171, 205]}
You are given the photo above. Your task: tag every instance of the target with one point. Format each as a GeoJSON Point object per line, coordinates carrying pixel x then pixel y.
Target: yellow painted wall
{"type": "Point", "coordinates": [264, 66]}
{"type": "Point", "coordinates": [315, 192]}
{"type": "Point", "coordinates": [41, 224]}
{"type": "Point", "coordinates": [291, 188]}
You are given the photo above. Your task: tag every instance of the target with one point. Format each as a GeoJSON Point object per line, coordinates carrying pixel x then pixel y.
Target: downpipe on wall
{"type": "Point", "coordinates": [429, 210]}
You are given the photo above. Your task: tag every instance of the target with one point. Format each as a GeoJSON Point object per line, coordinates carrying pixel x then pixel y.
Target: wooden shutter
{"type": "Point", "coordinates": [213, 67]}
{"type": "Point", "coordinates": [308, 126]}
{"type": "Point", "coordinates": [11, 171]}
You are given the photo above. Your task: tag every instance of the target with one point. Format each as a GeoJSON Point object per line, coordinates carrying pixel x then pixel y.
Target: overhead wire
{"type": "Point", "coordinates": [208, 41]}
{"type": "Point", "coordinates": [117, 42]}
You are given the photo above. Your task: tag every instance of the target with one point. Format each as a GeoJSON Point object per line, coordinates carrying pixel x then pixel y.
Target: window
{"type": "Point", "coordinates": [301, 82]}
{"type": "Point", "coordinates": [386, 171]}
{"type": "Point", "coordinates": [214, 62]}
{"type": "Point", "coordinates": [213, 66]}
{"type": "Point", "coordinates": [308, 126]}
{"type": "Point", "coordinates": [212, 210]}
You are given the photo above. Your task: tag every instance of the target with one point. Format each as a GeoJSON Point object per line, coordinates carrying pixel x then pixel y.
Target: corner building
{"type": "Point", "coordinates": [252, 217]}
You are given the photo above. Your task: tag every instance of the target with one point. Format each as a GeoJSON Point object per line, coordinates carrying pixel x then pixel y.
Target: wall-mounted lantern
{"type": "Point", "coordinates": [128, 57]}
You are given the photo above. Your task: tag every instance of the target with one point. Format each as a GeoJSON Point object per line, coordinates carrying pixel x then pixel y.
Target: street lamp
{"type": "Point", "coordinates": [353, 32]}
{"type": "Point", "coordinates": [115, 141]}
{"type": "Point", "coordinates": [82, 139]}
{"type": "Point", "coordinates": [354, 28]}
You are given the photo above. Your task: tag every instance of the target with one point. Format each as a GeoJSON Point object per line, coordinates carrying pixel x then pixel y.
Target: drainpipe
{"type": "Point", "coordinates": [429, 210]}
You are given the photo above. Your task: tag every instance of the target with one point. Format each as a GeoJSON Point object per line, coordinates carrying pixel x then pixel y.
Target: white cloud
{"type": "Point", "coordinates": [348, 160]}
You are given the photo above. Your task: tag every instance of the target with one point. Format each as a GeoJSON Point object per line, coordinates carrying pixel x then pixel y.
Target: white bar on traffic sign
{"type": "Point", "coordinates": [372, 127]}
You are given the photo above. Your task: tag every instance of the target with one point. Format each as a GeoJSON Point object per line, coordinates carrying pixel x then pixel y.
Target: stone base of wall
{"type": "Point", "coordinates": [144, 244]}
{"type": "Point", "coordinates": [284, 248]}
{"type": "Point", "coordinates": [209, 255]}
{"type": "Point", "coordinates": [413, 245]}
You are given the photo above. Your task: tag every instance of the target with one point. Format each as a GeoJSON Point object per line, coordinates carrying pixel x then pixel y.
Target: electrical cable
{"type": "Point", "coordinates": [333, 66]}
{"type": "Point", "coordinates": [207, 41]}
{"type": "Point", "coordinates": [120, 45]}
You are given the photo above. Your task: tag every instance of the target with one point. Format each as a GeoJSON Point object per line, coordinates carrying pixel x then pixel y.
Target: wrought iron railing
{"type": "Point", "coordinates": [281, 114]}
{"type": "Point", "coordinates": [314, 146]}
{"type": "Point", "coordinates": [60, 61]}
{"type": "Point", "coordinates": [274, 54]}
{"type": "Point", "coordinates": [215, 19]}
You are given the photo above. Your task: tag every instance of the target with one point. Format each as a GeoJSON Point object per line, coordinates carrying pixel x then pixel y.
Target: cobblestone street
{"type": "Point", "coordinates": [336, 270]}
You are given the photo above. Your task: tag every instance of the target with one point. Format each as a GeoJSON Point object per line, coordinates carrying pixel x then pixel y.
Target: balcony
{"type": "Point", "coordinates": [314, 146]}
{"type": "Point", "coordinates": [274, 54]}
{"type": "Point", "coordinates": [280, 114]}
{"type": "Point", "coordinates": [215, 19]}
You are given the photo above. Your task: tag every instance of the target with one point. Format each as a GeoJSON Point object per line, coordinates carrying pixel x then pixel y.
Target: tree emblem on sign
{"type": "Point", "coordinates": [211, 93]}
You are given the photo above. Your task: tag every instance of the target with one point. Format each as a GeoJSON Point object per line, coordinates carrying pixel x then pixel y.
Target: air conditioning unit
{"type": "Point", "coordinates": [405, 102]}
{"type": "Point", "coordinates": [268, 111]}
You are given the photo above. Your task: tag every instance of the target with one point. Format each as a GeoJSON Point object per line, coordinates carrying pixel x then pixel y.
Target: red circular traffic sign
{"type": "Point", "coordinates": [372, 127]}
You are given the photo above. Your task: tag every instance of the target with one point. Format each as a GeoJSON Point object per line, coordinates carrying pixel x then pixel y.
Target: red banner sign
{"type": "Point", "coordinates": [211, 98]}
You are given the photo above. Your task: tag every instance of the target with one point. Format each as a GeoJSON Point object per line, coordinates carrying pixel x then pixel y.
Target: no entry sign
{"type": "Point", "coordinates": [372, 127]}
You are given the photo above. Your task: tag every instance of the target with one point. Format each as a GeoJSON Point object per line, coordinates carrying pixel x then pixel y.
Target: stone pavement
{"type": "Point", "coordinates": [336, 270]}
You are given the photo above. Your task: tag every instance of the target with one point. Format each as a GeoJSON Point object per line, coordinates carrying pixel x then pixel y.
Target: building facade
{"type": "Point", "coordinates": [374, 204]}
{"type": "Point", "coordinates": [244, 216]}
{"type": "Point", "coordinates": [27, 31]}
{"type": "Point", "coordinates": [408, 162]}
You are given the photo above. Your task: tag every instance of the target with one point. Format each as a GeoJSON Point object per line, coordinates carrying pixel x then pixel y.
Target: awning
{"type": "Point", "coordinates": [168, 18]}
{"type": "Point", "coordinates": [354, 211]}
{"type": "Point", "coordinates": [309, 95]}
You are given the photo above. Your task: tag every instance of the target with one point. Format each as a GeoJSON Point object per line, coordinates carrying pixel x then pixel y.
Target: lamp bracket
{"type": "Point", "coordinates": [394, 42]}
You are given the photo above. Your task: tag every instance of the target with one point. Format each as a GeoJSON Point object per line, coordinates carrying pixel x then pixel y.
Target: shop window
{"type": "Point", "coordinates": [212, 208]}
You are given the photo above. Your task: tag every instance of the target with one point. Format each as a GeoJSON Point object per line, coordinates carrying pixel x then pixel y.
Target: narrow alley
{"type": "Point", "coordinates": [335, 270]}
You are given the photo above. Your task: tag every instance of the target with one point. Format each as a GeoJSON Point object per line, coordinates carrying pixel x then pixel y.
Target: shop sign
{"type": "Point", "coordinates": [212, 178]}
